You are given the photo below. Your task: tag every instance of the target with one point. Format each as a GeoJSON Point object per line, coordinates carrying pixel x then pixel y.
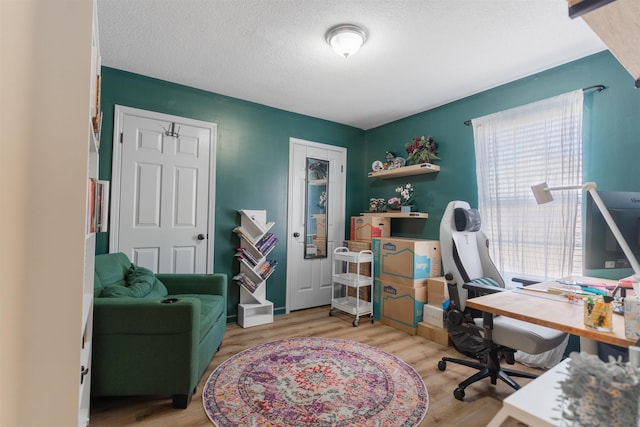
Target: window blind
{"type": "Point", "coordinates": [515, 149]}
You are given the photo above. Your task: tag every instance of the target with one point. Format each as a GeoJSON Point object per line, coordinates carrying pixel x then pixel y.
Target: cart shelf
{"type": "Point", "coordinates": [343, 277]}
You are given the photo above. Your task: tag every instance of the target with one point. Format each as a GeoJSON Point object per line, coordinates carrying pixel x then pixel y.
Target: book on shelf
{"type": "Point", "coordinates": [91, 205]}
{"type": "Point", "coordinates": [244, 281]}
{"type": "Point", "coordinates": [102, 206]}
{"type": "Point", "coordinates": [261, 241]}
{"type": "Point", "coordinates": [267, 268]}
{"type": "Point", "coordinates": [245, 234]}
{"type": "Point", "coordinates": [267, 241]}
{"type": "Point", "coordinates": [245, 254]}
{"type": "Point", "coordinates": [268, 245]}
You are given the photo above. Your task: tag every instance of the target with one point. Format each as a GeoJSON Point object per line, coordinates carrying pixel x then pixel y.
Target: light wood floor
{"type": "Point", "coordinates": [481, 403]}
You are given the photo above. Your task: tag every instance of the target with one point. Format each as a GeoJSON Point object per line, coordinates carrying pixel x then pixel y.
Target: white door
{"type": "Point", "coordinates": [163, 191]}
{"type": "Point", "coordinates": [309, 280]}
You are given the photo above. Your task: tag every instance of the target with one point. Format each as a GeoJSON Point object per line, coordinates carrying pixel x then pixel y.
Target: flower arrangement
{"type": "Point", "coordinates": [406, 194]}
{"type": "Point", "coordinates": [422, 149]}
{"type": "Point", "coordinates": [394, 203]}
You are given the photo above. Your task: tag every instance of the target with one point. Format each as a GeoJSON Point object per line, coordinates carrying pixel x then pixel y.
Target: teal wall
{"type": "Point", "coordinates": [253, 144]}
{"type": "Point", "coordinates": [611, 136]}
{"type": "Point", "coordinates": [252, 159]}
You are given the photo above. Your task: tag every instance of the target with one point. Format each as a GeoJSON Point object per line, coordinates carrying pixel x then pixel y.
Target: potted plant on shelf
{"type": "Point", "coordinates": [377, 205]}
{"type": "Point", "coordinates": [406, 197]}
{"type": "Point", "coordinates": [422, 149]}
{"type": "Point", "coordinates": [394, 203]}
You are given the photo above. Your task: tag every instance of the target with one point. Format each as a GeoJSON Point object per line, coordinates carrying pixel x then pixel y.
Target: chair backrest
{"type": "Point", "coordinates": [465, 248]}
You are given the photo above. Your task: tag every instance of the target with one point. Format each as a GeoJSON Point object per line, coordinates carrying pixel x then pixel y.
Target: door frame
{"type": "Point", "coordinates": [116, 170]}
{"type": "Point", "coordinates": [341, 222]}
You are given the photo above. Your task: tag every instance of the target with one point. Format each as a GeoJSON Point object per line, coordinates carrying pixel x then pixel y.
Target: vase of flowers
{"type": "Point", "coordinates": [406, 197]}
{"type": "Point", "coordinates": [422, 149]}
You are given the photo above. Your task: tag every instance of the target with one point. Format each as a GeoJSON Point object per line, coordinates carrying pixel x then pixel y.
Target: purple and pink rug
{"type": "Point", "coordinates": [315, 382]}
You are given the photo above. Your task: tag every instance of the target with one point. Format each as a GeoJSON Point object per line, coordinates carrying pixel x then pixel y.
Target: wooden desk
{"type": "Point", "coordinates": [552, 311]}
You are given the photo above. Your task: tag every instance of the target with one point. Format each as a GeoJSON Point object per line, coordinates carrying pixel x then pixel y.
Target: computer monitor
{"type": "Point", "coordinates": [601, 249]}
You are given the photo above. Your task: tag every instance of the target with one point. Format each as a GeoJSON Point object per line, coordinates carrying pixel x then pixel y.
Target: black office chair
{"type": "Point", "coordinates": [470, 272]}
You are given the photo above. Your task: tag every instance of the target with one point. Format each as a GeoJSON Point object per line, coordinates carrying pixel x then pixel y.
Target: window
{"type": "Point", "coordinates": [515, 149]}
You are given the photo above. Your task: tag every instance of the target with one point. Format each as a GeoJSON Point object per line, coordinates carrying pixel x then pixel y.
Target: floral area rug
{"type": "Point", "coordinates": [315, 382]}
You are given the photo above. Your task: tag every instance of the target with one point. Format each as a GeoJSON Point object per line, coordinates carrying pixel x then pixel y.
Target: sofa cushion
{"type": "Point", "coordinates": [143, 281]}
{"type": "Point", "coordinates": [110, 269]}
{"type": "Point", "coordinates": [139, 282]}
{"type": "Point", "coordinates": [211, 307]}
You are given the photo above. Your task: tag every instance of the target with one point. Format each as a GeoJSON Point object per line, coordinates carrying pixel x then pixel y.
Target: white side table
{"type": "Point", "coordinates": [537, 403]}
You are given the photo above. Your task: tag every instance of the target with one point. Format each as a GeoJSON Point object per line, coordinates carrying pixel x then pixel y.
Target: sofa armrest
{"type": "Point", "coordinates": [212, 284]}
{"type": "Point", "coordinates": [145, 316]}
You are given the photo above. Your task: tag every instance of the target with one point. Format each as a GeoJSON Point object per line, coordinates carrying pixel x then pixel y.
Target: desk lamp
{"type": "Point", "coordinates": [542, 194]}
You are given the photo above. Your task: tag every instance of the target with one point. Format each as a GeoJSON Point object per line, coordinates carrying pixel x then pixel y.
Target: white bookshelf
{"type": "Point", "coordinates": [254, 308]}
{"type": "Point", "coordinates": [93, 140]}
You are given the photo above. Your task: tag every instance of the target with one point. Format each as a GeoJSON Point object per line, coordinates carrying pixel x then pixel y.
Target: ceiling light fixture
{"type": "Point", "coordinates": [346, 39]}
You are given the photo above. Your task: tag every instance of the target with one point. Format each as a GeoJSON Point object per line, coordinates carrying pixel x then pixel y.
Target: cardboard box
{"type": "Point", "coordinates": [357, 246]}
{"type": "Point", "coordinates": [433, 315]}
{"type": "Point", "coordinates": [376, 298]}
{"type": "Point", "coordinates": [365, 292]}
{"type": "Point", "coordinates": [369, 227]}
{"type": "Point", "coordinates": [401, 306]}
{"type": "Point", "coordinates": [433, 333]}
{"type": "Point", "coordinates": [407, 262]}
{"type": "Point", "coordinates": [437, 291]}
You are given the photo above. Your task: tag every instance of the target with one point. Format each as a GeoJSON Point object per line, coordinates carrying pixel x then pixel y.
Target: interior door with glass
{"type": "Point", "coordinates": [315, 222]}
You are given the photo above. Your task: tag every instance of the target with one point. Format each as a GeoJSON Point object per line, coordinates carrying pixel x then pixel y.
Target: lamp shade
{"type": "Point", "coordinates": [542, 192]}
{"type": "Point", "coordinates": [346, 39]}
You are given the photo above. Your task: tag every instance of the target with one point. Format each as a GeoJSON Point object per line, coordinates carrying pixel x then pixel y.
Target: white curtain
{"type": "Point", "coordinates": [515, 149]}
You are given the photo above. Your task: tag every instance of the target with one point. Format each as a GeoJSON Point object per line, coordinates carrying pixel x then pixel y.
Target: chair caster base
{"type": "Point", "coordinates": [459, 393]}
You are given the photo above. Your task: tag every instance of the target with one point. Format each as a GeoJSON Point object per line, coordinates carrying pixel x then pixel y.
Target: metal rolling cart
{"type": "Point", "coordinates": [346, 273]}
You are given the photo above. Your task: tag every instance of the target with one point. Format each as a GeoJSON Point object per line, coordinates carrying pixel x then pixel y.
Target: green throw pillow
{"type": "Point", "coordinates": [115, 291]}
{"type": "Point", "coordinates": [118, 289]}
{"type": "Point", "coordinates": [139, 282]}
{"type": "Point", "coordinates": [159, 290]}
{"type": "Point", "coordinates": [144, 278]}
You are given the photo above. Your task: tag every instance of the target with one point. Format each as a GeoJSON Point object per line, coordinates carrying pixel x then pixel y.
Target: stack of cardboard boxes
{"type": "Point", "coordinates": [402, 268]}
{"type": "Point", "coordinates": [406, 277]}
{"type": "Point", "coordinates": [363, 230]}
{"type": "Point", "coordinates": [432, 326]}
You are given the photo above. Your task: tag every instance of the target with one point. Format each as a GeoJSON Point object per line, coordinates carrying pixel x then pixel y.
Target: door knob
{"type": "Point", "coordinates": [296, 234]}
{"type": "Point", "coordinates": [200, 236]}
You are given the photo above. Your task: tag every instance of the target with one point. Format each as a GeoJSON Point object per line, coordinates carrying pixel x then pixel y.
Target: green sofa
{"type": "Point", "coordinates": [154, 334]}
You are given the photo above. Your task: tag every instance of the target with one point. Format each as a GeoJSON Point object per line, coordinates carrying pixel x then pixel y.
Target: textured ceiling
{"type": "Point", "coordinates": [419, 54]}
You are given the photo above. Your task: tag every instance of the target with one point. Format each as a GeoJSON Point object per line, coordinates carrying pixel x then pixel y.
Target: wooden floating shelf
{"type": "Point", "coordinates": [405, 171]}
{"type": "Point", "coordinates": [397, 214]}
